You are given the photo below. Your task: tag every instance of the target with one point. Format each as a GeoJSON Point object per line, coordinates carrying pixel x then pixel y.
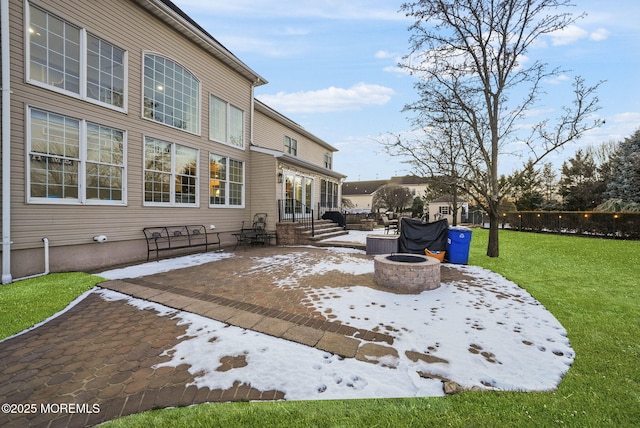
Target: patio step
{"type": "Point", "coordinates": [324, 229]}
{"type": "Point", "coordinates": [327, 235]}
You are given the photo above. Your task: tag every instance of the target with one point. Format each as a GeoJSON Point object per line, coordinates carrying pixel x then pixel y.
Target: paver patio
{"type": "Point", "coordinates": [104, 352]}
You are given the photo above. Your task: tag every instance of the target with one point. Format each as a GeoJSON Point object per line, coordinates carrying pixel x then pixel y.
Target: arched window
{"type": "Point", "coordinates": [171, 94]}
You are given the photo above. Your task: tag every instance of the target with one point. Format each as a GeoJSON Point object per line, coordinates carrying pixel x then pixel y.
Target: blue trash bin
{"type": "Point", "coordinates": [458, 244]}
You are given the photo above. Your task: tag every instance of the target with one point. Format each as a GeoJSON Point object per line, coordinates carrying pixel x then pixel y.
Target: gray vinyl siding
{"type": "Point", "coordinates": [127, 26]}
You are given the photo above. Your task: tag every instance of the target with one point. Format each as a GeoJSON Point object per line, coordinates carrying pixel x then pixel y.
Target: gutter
{"type": "Point", "coordinates": [6, 144]}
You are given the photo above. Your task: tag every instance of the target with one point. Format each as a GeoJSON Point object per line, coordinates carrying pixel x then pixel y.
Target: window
{"type": "Point", "coordinates": [170, 173]}
{"type": "Point", "coordinates": [67, 155]}
{"type": "Point", "coordinates": [226, 123]}
{"type": "Point", "coordinates": [291, 146]}
{"type": "Point", "coordinates": [226, 181]}
{"type": "Point", "coordinates": [327, 161]}
{"type": "Point", "coordinates": [444, 210]}
{"type": "Point", "coordinates": [56, 59]}
{"type": "Point", "coordinates": [171, 94]}
{"type": "Point", "coordinates": [328, 194]}
{"type": "Point", "coordinates": [105, 72]}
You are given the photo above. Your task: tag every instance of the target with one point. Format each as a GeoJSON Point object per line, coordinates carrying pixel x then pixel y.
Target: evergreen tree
{"type": "Point", "coordinates": [625, 179]}
{"type": "Point", "coordinates": [580, 185]}
{"type": "Point", "coordinates": [527, 188]}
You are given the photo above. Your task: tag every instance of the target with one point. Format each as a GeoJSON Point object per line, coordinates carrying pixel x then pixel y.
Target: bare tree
{"type": "Point", "coordinates": [436, 154]}
{"type": "Point", "coordinates": [392, 197]}
{"type": "Point", "coordinates": [469, 57]}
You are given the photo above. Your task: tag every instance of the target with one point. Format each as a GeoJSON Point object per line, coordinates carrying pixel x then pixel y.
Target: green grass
{"type": "Point", "coordinates": [26, 303]}
{"type": "Point", "coordinates": [592, 286]}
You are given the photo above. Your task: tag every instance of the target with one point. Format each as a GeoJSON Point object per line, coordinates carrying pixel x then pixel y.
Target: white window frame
{"type": "Point", "coordinates": [227, 182]}
{"type": "Point", "coordinates": [328, 161]}
{"type": "Point", "coordinates": [172, 174]}
{"type": "Point", "coordinates": [196, 115]}
{"type": "Point", "coordinates": [82, 159]}
{"type": "Point", "coordinates": [227, 139]}
{"type": "Point", "coordinates": [444, 210]}
{"type": "Point", "coordinates": [290, 145]}
{"type": "Point", "coordinates": [83, 55]}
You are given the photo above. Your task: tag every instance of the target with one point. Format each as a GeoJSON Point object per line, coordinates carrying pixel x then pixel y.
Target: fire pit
{"type": "Point", "coordinates": [411, 273]}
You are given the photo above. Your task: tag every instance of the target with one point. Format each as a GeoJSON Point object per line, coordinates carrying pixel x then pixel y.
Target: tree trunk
{"type": "Point", "coordinates": [492, 246]}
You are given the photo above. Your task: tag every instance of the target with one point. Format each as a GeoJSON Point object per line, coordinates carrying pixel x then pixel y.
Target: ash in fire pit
{"type": "Point", "coordinates": [405, 258]}
{"type": "Point", "coordinates": [411, 273]}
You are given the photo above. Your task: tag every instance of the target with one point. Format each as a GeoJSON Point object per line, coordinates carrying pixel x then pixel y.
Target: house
{"type": "Point", "coordinates": [361, 193]}
{"type": "Point", "coordinates": [292, 169]}
{"type": "Point", "coordinates": [442, 208]}
{"type": "Point", "coordinates": [107, 129]}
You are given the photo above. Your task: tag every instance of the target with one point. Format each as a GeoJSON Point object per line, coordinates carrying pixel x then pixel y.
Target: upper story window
{"type": "Point", "coordinates": [68, 59]}
{"type": "Point", "coordinates": [105, 71]}
{"type": "Point", "coordinates": [327, 161]}
{"type": "Point", "coordinates": [291, 146]}
{"type": "Point", "coordinates": [74, 161]}
{"type": "Point", "coordinates": [171, 94]}
{"type": "Point", "coordinates": [226, 123]}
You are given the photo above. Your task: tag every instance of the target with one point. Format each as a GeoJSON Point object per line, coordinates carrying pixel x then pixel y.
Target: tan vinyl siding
{"type": "Point", "coordinates": [137, 32]}
{"type": "Point", "coordinates": [264, 187]}
{"type": "Point", "coordinates": [270, 134]}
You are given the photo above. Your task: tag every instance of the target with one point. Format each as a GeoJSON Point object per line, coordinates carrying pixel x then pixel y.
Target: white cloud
{"type": "Point", "coordinates": [382, 54]}
{"type": "Point", "coordinates": [568, 35]}
{"type": "Point", "coordinates": [573, 33]}
{"type": "Point", "coordinates": [330, 99]}
{"type": "Point", "coordinates": [558, 79]}
{"type": "Point", "coordinates": [600, 34]}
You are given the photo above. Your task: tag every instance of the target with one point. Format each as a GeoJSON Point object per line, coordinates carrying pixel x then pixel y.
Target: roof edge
{"type": "Point", "coordinates": [277, 116]}
{"type": "Point", "coordinates": [178, 19]}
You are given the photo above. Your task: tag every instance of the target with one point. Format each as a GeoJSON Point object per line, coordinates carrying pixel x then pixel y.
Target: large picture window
{"type": "Point", "coordinates": [171, 94]}
{"type": "Point", "coordinates": [170, 173]}
{"type": "Point", "coordinates": [226, 181]}
{"type": "Point", "coordinates": [56, 58]}
{"type": "Point", "coordinates": [74, 161]}
{"type": "Point", "coordinates": [226, 123]}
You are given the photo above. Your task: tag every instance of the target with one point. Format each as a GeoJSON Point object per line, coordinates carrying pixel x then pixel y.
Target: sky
{"type": "Point", "coordinates": [495, 336]}
{"type": "Point", "coordinates": [332, 68]}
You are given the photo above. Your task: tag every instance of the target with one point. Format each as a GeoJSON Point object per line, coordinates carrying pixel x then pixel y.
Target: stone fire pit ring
{"type": "Point", "coordinates": [409, 273]}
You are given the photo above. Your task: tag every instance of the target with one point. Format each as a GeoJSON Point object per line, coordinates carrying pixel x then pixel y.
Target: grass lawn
{"type": "Point", "coordinates": [592, 286]}
{"type": "Point", "coordinates": [26, 303]}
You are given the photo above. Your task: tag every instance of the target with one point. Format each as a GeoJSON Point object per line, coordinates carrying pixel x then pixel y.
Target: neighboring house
{"type": "Point", "coordinates": [442, 207]}
{"type": "Point", "coordinates": [129, 114]}
{"type": "Point", "coordinates": [360, 193]}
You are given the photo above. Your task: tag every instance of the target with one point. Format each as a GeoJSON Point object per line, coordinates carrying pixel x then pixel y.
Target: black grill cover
{"type": "Point", "coordinates": [415, 236]}
{"type": "Point", "coordinates": [336, 217]}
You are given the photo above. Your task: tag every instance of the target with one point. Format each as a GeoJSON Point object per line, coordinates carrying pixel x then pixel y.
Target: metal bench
{"type": "Point", "coordinates": [165, 238]}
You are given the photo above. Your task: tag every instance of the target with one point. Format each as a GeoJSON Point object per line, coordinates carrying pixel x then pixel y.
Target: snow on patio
{"type": "Point", "coordinates": [488, 333]}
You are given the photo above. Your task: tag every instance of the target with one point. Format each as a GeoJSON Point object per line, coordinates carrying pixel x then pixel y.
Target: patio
{"type": "Point", "coordinates": [279, 323]}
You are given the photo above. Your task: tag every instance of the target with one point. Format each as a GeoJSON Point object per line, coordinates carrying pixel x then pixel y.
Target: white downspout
{"type": "Point", "coordinates": [253, 109]}
{"type": "Point", "coordinates": [6, 144]}
{"type": "Point", "coordinates": [45, 240]}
